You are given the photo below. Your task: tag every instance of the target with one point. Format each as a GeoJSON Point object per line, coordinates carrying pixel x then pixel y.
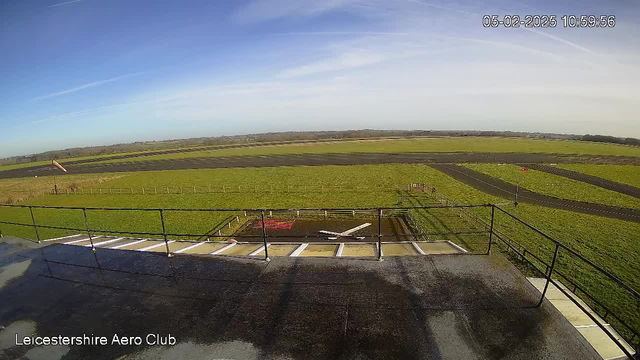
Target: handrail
{"type": "Point", "coordinates": [610, 276]}
{"type": "Point", "coordinates": [254, 209]}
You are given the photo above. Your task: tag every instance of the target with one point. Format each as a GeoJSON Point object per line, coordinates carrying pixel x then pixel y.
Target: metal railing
{"type": "Point", "coordinates": [549, 271]}
{"type": "Point", "coordinates": [378, 212]}
{"type": "Point", "coordinates": [222, 189]}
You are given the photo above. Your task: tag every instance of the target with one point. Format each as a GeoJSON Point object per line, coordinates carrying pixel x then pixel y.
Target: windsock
{"type": "Point", "coordinates": [56, 165]}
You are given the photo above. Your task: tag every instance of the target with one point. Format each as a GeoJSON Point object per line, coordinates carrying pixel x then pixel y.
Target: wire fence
{"type": "Point", "coordinates": [222, 189]}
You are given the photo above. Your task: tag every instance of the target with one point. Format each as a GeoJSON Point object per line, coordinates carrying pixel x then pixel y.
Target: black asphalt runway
{"type": "Point", "coordinates": [428, 307]}
{"type": "Point", "coordinates": [497, 187]}
{"type": "Point", "coordinates": [589, 179]}
{"type": "Point", "coordinates": [315, 160]}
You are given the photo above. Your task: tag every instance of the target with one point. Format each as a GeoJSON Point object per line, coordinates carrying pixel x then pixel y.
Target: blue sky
{"type": "Point", "coordinates": [96, 72]}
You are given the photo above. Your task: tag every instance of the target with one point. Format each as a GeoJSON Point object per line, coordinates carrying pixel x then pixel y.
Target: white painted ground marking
{"type": "Point", "coordinates": [155, 246]}
{"type": "Point", "coordinates": [127, 244]}
{"type": "Point", "coordinates": [418, 249]}
{"type": "Point", "coordinates": [589, 326]}
{"type": "Point", "coordinates": [77, 241]}
{"type": "Point", "coordinates": [299, 250]}
{"type": "Point", "coordinates": [63, 237]}
{"type": "Point", "coordinates": [190, 247]}
{"type": "Point", "coordinates": [456, 246]}
{"type": "Point", "coordinates": [340, 249]}
{"type": "Point", "coordinates": [260, 249]}
{"type": "Point", "coordinates": [104, 242]}
{"type": "Point", "coordinates": [223, 249]}
{"type": "Point", "coordinates": [345, 233]}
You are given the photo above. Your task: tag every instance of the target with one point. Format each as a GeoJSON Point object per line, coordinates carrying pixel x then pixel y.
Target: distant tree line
{"type": "Point", "coordinates": [611, 139]}
{"type": "Point", "coordinates": [296, 136]}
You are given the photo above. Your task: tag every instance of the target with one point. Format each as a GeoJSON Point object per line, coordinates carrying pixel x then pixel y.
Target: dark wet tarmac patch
{"type": "Point", "coordinates": [439, 307]}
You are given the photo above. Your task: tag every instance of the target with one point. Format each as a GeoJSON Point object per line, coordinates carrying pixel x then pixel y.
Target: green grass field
{"type": "Point", "coordinates": [79, 158]}
{"type": "Point", "coordinates": [626, 174]}
{"type": "Point", "coordinates": [557, 186]}
{"type": "Point", "coordinates": [23, 189]}
{"type": "Point", "coordinates": [610, 243]}
{"type": "Point", "coordinates": [466, 144]}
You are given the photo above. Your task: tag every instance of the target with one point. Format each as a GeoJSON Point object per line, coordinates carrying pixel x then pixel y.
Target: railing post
{"type": "Point", "coordinates": [264, 237]}
{"type": "Point", "coordinates": [493, 213]}
{"type": "Point", "coordinates": [379, 234]}
{"type": "Point", "coordinates": [35, 227]}
{"type": "Point", "coordinates": [164, 233]}
{"type": "Point", "coordinates": [86, 224]}
{"type": "Point", "coordinates": [546, 285]}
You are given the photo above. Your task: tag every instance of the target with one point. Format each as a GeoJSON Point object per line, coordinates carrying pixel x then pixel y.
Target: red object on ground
{"type": "Point", "coordinates": [524, 169]}
{"type": "Point", "coordinates": [275, 224]}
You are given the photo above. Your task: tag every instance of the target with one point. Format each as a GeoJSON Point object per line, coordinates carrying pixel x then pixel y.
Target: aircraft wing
{"type": "Point", "coordinates": [355, 229]}
{"type": "Point", "coordinates": [329, 232]}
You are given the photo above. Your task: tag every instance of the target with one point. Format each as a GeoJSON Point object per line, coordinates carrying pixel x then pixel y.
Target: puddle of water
{"type": "Point", "coordinates": [53, 352]}
{"type": "Point", "coordinates": [189, 350]}
{"type": "Point", "coordinates": [8, 334]}
{"type": "Point", "coordinates": [12, 271]}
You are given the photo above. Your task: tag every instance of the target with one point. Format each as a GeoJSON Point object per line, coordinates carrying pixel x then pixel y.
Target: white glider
{"type": "Point", "coordinates": [346, 233]}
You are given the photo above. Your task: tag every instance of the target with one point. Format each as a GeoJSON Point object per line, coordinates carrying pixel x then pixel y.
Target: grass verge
{"type": "Point", "coordinates": [555, 185]}
{"type": "Point", "coordinates": [626, 174]}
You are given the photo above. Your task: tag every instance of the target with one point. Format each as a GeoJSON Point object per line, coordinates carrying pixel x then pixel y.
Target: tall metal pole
{"type": "Point", "coordinates": [35, 227]}
{"type": "Point", "coordinates": [493, 213]}
{"type": "Point", "coordinates": [164, 233]}
{"type": "Point", "coordinates": [546, 285]}
{"type": "Point", "coordinates": [264, 237]}
{"type": "Point", "coordinates": [379, 234]}
{"type": "Point", "coordinates": [55, 184]}
{"type": "Point", "coordinates": [517, 187]}
{"type": "Point", "coordinates": [86, 223]}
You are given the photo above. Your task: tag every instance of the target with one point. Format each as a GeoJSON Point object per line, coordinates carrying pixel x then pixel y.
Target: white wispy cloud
{"type": "Point", "coordinates": [85, 86]}
{"type": "Point", "coordinates": [341, 62]}
{"type": "Point", "coordinates": [265, 10]}
{"type": "Point", "coordinates": [64, 3]}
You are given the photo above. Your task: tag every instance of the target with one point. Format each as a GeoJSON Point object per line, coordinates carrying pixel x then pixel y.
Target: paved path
{"type": "Point", "coordinates": [589, 179]}
{"type": "Point", "coordinates": [497, 187]}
